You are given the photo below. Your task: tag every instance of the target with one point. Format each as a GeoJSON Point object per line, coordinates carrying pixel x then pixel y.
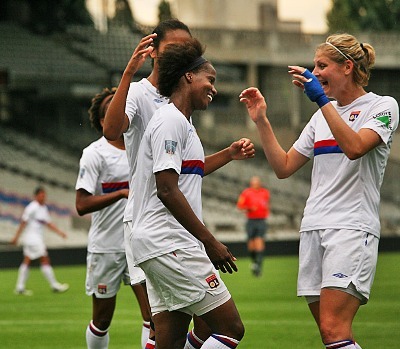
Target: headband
{"type": "Point", "coordinates": [103, 106]}
{"type": "Point", "coordinates": [196, 63]}
{"type": "Point", "coordinates": [345, 56]}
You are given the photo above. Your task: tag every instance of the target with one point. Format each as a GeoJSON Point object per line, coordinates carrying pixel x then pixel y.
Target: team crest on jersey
{"type": "Point", "coordinates": [212, 281]}
{"type": "Point", "coordinates": [354, 115]}
{"type": "Point", "coordinates": [170, 147]}
{"type": "Point", "coordinates": [82, 172]}
{"type": "Point", "coordinates": [102, 288]}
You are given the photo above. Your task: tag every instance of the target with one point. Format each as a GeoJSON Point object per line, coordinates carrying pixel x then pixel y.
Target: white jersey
{"type": "Point", "coordinates": [346, 193]}
{"type": "Point", "coordinates": [36, 217]}
{"type": "Point", "coordinates": [141, 103]}
{"type": "Point", "coordinates": [169, 142]}
{"type": "Point", "coordinates": [104, 169]}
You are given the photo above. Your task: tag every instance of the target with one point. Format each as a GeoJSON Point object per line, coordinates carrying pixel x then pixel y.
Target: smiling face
{"type": "Point", "coordinates": [334, 77]}
{"type": "Point", "coordinates": [203, 89]}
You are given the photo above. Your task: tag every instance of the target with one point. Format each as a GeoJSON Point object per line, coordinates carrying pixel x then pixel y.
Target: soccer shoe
{"type": "Point", "coordinates": [256, 269]}
{"type": "Point", "coordinates": [23, 292]}
{"type": "Point", "coordinates": [60, 288]}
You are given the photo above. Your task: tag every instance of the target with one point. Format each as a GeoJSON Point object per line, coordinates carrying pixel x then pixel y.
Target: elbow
{"type": "Point", "coordinates": [164, 194]}
{"type": "Point", "coordinates": [110, 135]}
{"type": "Point", "coordinates": [81, 210]}
{"type": "Point", "coordinates": [282, 174]}
{"type": "Point", "coordinates": [354, 154]}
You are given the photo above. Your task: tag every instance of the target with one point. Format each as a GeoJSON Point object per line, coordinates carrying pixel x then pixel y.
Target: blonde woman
{"type": "Point", "coordinates": [349, 139]}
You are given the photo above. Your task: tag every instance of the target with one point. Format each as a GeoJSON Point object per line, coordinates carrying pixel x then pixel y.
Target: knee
{"type": "Point", "coordinates": [331, 331]}
{"type": "Point", "coordinates": [237, 329]}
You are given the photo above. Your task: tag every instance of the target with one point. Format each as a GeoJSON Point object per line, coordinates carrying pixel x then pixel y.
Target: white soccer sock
{"type": "Point", "coordinates": [357, 346]}
{"type": "Point", "coordinates": [145, 333]}
{"type": "Point", "coordinates": [23, 273]}
{"type": "Point", "coordinates": [192, 341]}
{"type": "Point", "coordinates": [345, 344]}
{"type": "Point", "coordinates": [217, 341]}
{"type": "Point", "coordinates": [48, 273]}
{"type": "Point", "coordinates": [95, 338]}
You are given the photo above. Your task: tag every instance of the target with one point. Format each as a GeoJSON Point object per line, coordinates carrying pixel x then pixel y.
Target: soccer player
{"type": "Point", "coordinates": [254, 201]}
{"type": "Point", "coordinates": [169, 241]}
{"type": "Point", "coordinates": [349, 140]}
{"type": "Point", "coordinates": [34, 218]}
{"type": "Point", "coordinates": [102, 189]}
{"type": "Point", "coordinates": [131, 109]}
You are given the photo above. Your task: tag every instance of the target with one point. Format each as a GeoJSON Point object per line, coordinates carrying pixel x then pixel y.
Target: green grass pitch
{"type": "Point", "coordinates": [273, 316]}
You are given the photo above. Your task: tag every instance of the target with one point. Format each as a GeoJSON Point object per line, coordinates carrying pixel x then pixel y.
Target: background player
{"type": "Point", "coordinates": [102, 189]}
{"type": "Point", "coordinates": [254, 201]}
{"type": "Point", "coordinates": [34, 218]}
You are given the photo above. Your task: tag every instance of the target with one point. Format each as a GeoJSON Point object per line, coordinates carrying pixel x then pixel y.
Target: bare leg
{"type": "Point", "coordinates": [171, 329]}
{"type": "Point", "coordinates": [334, 314]}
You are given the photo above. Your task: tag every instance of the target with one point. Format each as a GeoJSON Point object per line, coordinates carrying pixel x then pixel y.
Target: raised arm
{"type": "Point", "coordinates": [88, 203]}
{"type": "Point", "coordinates": [116, 122]}
{"type": "Point", "coordinates": [283, 163]}
{"type": "Point", "coordinates": [353, 144]}
{"type": "Point", "coordinates": [173, 199]}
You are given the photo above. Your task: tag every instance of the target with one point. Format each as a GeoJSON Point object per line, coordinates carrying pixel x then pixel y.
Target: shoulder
{"type": "Point", "coordinates": [95, 146]}
{"type": "Point", "coordinates": [32, 205]}
{"type": "Point", "coordinates": [246, 191]}
{"type": "Point", "coordinates": [168, 115]}
{"type": "Point", "coordinates": [376, 99]}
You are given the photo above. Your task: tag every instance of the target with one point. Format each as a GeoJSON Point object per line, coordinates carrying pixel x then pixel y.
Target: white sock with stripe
{"type": "Point", "coordinates": [192, 341]}
{"type": "Point", "coordinates": [95, 338]}
{"type": "Point", "coordinates": [217, 341]}
{"type": "Point", "coordinates": [345, 344]}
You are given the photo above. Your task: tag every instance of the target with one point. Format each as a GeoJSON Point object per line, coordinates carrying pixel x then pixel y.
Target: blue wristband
{"type": "Point", "coordinates": [314, 90]}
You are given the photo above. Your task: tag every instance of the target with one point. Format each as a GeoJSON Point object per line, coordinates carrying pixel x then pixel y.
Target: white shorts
{"type": "Point", "coordinates": [337, 258]}
{"type": "Point", "coordinates": [184, 280]}
{"type": "Point", "coordinates": [136, 274]}
{"type": "Point", "coordinates": [104, 274]}
{"type": "Point", "coordinates": [35, 251]}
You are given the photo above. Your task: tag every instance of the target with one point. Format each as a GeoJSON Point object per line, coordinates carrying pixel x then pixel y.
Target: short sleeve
{"type": "Point", "coordinates": [167, 141]}
{"type": "Point", "coordinates": [384, 118]}
{"type": "Point", "coordinates": [305, 143]}
{"type": "Point", "coordinates": [28, 212]}
{"type": "Point", "coordinates": [89, 171]}
{"type": "Point", "coordinates": [131, 106]}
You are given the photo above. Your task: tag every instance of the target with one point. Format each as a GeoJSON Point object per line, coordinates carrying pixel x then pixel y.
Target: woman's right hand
{"type": "Point", "coordinates": [255, 103]}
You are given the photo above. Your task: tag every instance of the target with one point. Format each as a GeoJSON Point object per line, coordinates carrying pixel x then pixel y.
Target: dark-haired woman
{"type": "Point", "coordinates": [129, 113]}
{"type": "Point", "coordinates": [102, 189]}
{"type": "Point", "coordinates": [169, 241]}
